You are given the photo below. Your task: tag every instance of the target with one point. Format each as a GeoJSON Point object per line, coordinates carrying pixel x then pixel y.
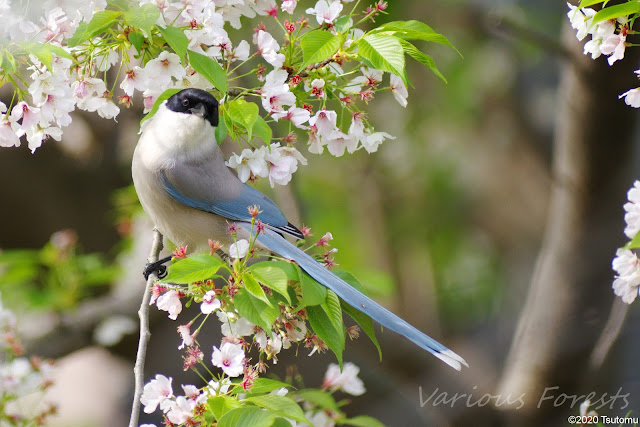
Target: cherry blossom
{"type": "Point", "coordinates": [209, 302]}
{"type": "Point", "coordinates": [632, 97]}
{"type": "Point", "coordinates": [241, 327]}
{"type": "Point", "coordinates": [170, 301]}
{"type": "Point", "coordinates": [239, 249]}
{"type": "Point", "coordinates": [269, 49]}
{"type": "Point", "coordinates": [156, 392]}
{"type": "Point", "coordinates": [289, 6]}
{"type": "Point", "coordinates": [326, 11]}
{"type": "Point", "coordinates": [632, 211]}
{"type": "Point", "coordinates": [627, 280]}
{"type": "Point", "coordinates": [230, 358]}
{"type": "Point", "coordinates": [249, 162]}
{"type": "Point", "coordinates": [347, 380]}
{"type": "Point", "coordinates": [399, 90]}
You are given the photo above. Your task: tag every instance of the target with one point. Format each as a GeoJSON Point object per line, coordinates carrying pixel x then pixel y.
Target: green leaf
{"type": "Point", "coordinates": [281, 405]}
{"type": "Point", "coordinates": [176, 39]}
{"type": "Point", "coordinates": [585, 3]}
{"type": "Point", "coordinates": [244, 114]}
{"type": "Point", "coordinates": [136, 38]}
{"type": "Point", "coordinates": [221, 131]}
{"type": "Point", "coordinates": [210, 69]}
{"type": "Point", "coordinates": [123, 5]}
{"type": "Point", "coordinates": [272, 277]}
{"type": "Point", "coordinates": [194, 268]}
{"type": "Point", "coordinates": [99, 23]}
{"type": "Point", "coordinates": [44, 51]}
{"type": "Point", "coordinates": [616, 11]}
{"type": "Point", "coordinates": [254, 310]}
{"type": "Point", "coordinates": [361, 421]}
{"type": "Point", "coordinates": [319, 398]}
{"type": "Point", "coordinates": [281, 422]}
{"type": "Point", "coordinates": [322, 321]}
{"type": "Point", "coordinates": [143, 17]}
{"type": "Point", "coordinates": [343, 24]}
{"type": "Point", "coordinates": [8, 62]}
{"type": "Point", "coordinates": [163, 97]}
{"type": "Point", "coordinates": [313, 293]}
{"type": "Point", "coordinates": [317, 46]}
{"type": "Point", "coordinates": [247, 417]}
{"type": "Point", "coordinates": [262, 130]}
{"type": "Point", "coordinates": [254, 288]}
{"type": "Point", "coordinates": [266, 385]}
{"type": "Point", "coordinates": [415, 30]}
{"type": "Point", "coordinates": [360, 318]}
{"type": "Point", "coordinates": [423, 58]}
{"type": "Point", "coordinates": [383, 52]}
{"type": "Point", "coordinates": [220, 405]}
{"type": "Point", "coordinates": [634, 243]}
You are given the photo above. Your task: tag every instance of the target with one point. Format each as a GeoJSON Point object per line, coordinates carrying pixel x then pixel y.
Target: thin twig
{"type": "Point", "coordinates": [145, 333]}
{"type": "Point", "coordinates": [609, 334]}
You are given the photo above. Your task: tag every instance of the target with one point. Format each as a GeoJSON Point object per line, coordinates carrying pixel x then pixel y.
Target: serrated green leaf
{"type": "Point", "coordinates": [210, 70]}
{"type": "Point", "coordinates": [383, 52]}
{"type": "Point", "coordinates": [333, 310]}
{"type": "Point", "coordinates": [423, 58]}
{"type": "Point", "coordinates": [616, 11]}
{"type": "Point", "coordinates": [220, 405]}
{"type": "Point", "coordinates": [100, 22]}
{"type": "Point", "coordinates": [8, 63]}
{"type": "Point", "coordinates": [359, 317]}
{"type": "Point", "coordinates": [281, 422]}
{"type": "Point", "coordinates": [247, 417]}
{"type": "Point", "coordinates": [254, 288]}
{"type": "Point", "coordinates": [244, 114]}
{"type": "Point", "coordinates": [254, 310]}
{"type": "Point", "coordinates": [319, 398]}
{"type": "Point", "coordinates": [323, 325]}
{"type": "Point", "coordinates": [313, 293]}
{"type": "Point", "coordinates": [44, 51]}
{"type": "Point", "coordinates": [266, 385]}
{"type": "Point", "coordinates": [281, 405]}
{"type": "Point", "coordinates": [176, 39]}
{"type": "Point", "coordinates": [143, 17]}
{"type": "Point", "coordinates": [272, 277]}
{"type": "Point", "coordinates": [194, 268]}
{"type": "Point", "coordinates": [415, 30]}
{"type": "Point", "coordinates": [262, 130]}
{"type": "Point", "coordinates": [317, 46]}
{"type": "Point", "coordinates": [360, 421]}
{"type": "Point", "coordinates": [136, 38]}
{"type": "Point", "coordinates": [163, 97]}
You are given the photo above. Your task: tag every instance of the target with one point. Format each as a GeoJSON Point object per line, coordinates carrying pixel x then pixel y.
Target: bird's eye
{"type": "Point", "coordinates": [185, 102]}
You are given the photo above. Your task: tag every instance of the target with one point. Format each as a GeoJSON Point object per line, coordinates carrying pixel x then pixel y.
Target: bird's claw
{"type": "Point", "coordinates": [157, 267]}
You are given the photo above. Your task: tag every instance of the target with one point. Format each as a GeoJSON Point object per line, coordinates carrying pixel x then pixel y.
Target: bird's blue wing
{"type": "Point", "coordinates": [236, 208]}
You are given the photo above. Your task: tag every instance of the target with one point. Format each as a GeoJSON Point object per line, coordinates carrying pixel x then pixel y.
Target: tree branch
{"type": "Point", "coordinates": [145, 333]}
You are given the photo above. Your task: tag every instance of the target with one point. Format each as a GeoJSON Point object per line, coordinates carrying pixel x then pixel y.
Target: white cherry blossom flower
{"type": "Point", "coordinates": [632, 211]}
{"type": "Point", "coordinates": [347, 380]}
{"type": "Point", "coordinates": [209, 302]}
{"type": "Point", "coordinates": [249, 162]}
{"type": "Point", "coordinates": [399, 90]}
{"type": "Point", "coordinates": [239, 249]}
{"type": "Point", "coordinates": [170, 302]}
{"type": "Point", "coordinates": [269, 49]}
{"type": "Point", "coordinates": [180, 411]}
{"type": "Point", "coordinates": [338, 141]}
{"type": "Point", "coordinates": [373, 141]}
{"type": "Point", "coordinates": [324, 121]}
{"type": "Point", "coordinates": [581, 20]}
{"type": "Point", "coordinates": [241, 327]}
{"type": "Point", "coordinates": [155, 392]}
{"type": "Point", "coordinates": [230, 358]}
{"type": "Point", "coordinates": [627, 280]}
{"type": "Point", "coordinates": [161, 69]}
{"type": "Point", "coordinates": [326, 11]}
{"type": "Point", "coordinates": [289, 6]}
{"type": "Point", "coordinates": [632, 97]}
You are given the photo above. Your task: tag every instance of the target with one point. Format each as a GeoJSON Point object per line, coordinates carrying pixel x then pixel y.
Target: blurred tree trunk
{"type": "Point", "coordinates": [570, 293]}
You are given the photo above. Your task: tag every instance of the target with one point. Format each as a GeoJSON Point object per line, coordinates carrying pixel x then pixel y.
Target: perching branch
{"type": "Point", "coordinates": [145, 333]}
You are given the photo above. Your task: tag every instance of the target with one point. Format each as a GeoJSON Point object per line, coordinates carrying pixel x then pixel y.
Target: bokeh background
{"type": "Point", "coordinates": [489, 222]}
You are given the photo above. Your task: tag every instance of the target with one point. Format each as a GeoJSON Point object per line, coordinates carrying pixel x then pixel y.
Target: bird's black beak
{"type": "Point", "coordinates": [199, 110]}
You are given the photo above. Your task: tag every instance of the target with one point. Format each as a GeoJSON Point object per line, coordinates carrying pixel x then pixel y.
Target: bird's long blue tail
{"type": "Point", "coordinates": [357, 300]}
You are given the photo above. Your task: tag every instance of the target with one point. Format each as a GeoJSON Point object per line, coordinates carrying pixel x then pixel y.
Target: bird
{"type": "Point", "coordinates": [185, 187]}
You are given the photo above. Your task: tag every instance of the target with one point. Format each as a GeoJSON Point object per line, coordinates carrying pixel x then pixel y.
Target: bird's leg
{"type": "Point", "coordinates": [222, 255]}
{"type": "Point", "coordinates": [157, 267]}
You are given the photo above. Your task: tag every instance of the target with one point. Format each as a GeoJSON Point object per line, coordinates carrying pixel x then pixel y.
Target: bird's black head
{"type": "Point", "coordinates": [195, 101]}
